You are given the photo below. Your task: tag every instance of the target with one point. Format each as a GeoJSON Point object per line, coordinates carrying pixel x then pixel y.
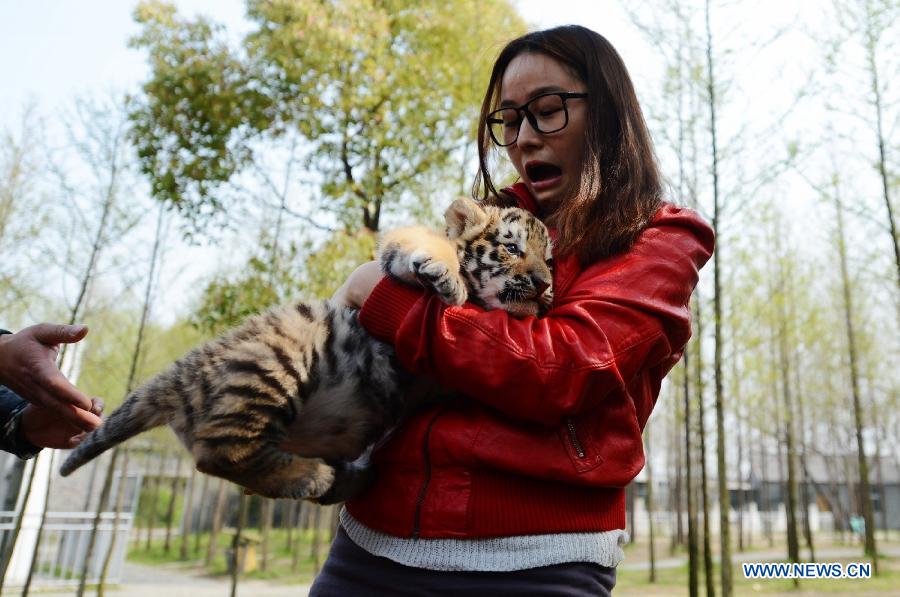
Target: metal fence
{"type": "Point", "coordinates": [64, 544]}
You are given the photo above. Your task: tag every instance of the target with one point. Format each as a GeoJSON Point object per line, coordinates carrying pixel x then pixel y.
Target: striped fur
{"type": "Point", "coordinates": [283, 404]}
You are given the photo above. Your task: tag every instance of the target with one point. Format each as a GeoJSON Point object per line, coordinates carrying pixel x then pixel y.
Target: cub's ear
{"type": "Point", "coordinates": [464, 214]}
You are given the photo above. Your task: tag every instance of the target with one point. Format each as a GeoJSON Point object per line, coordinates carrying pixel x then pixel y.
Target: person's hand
{"type": "Point", "coordinates": [28, 368]}
{"type": "Point", "coordinates": [44, 428]}
{"type": "Point", "coordinates": [354, 292]}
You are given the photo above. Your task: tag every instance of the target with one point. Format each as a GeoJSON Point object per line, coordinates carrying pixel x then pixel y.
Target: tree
{"type": "Point", "coordinates": [97, 133]}
{"type": "Point", "coordinates": [784, 367]}
{"type": "Point", "coordinates": [873, 26]}
{"type": "Point", "coordinates": [724, 502]}
{"type": "Point", "coordinates": [864, 486]}
{"type": "Point", "coordinates": [385, 94]}
{"type": "Point", "coordinates": [129, 386]}
{"type": "Point", "coordinates": [22, 215]}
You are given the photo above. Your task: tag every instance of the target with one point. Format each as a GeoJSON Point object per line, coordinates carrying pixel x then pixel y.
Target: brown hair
{"type": "Point", "coordinates": [620, 188]}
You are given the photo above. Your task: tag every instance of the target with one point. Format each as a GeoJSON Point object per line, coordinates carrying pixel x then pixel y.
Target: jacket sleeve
{"type": "Point", "coordinates": [11, 440]}
{"type": "Point", "coordinates": [619, 315]}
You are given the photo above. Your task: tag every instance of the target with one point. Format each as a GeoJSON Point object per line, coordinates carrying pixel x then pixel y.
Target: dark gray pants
{"type": "Point", "coordinates": [351, 571]}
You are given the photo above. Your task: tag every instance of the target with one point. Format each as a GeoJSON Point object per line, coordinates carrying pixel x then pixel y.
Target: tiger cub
{"type": "Point", "coordinates": [309, 378]}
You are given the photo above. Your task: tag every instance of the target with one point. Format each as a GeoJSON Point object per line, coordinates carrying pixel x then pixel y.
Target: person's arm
{"type": "Point", "coordinates": [623, 314]}
{"type": "Point", "coordinates": [27, 366]}
{"type": "Point", "coordinates": [11, 439]}
{"type": "Point", "coordinates": [25, 428]}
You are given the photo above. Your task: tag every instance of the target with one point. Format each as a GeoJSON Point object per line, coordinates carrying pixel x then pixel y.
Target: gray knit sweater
{"type": "Point", "coordinates": [500, 554]}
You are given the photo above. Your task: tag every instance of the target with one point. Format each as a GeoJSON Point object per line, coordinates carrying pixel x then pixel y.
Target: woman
{"type": "Point", "coordinates": [525, 475]}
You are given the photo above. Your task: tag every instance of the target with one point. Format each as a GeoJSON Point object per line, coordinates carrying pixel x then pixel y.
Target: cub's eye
{"type": "Point", "coordinates": [512, 249]}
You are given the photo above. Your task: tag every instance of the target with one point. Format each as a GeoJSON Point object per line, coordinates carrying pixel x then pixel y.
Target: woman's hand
{"type": "Point", "coordinates": [44, 428]}
{"type": "Point", "coordinates": [354, 292]}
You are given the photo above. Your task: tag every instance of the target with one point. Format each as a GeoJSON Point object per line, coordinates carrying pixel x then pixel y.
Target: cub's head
{"type": "Point", "coordinates": [504, 255]}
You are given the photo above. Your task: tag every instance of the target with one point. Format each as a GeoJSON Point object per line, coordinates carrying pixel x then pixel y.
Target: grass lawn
{"type": "Point", "coordinates": [670, 580]}
{"type": "Point", "coordinates": [673, 581]}
{"type": "Point", "coordinates": [280, 564]}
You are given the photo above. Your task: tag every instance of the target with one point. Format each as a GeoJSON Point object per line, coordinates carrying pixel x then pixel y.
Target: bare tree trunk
{"type": "Point", "coordinates": [187, 516]}
{"type": "Point", "coordinates": [17, 525]}
{"type": "Point", "coordinates": [291, 520]}
{"type": "Point", "coordinates": [129, 385]}
{"type": "Point", "coordinates": [268, 507]}
{"type": "Point", "coordinates": [216, 524]}
{"type": "Point", "coordinates": [316, 545]}
{"type": "Point", "coordinates": [740, 476]}
{"type": "Point", "coordinates": [632, 525]}
{"type": "Point", "coordinates": [170, 511]}
{"type": "Point", "coordinates": [693, 547]}
{"type": "Point", "coordinates": [739, 424]}
{"type": "Point", "coordinates": [764, 493]}
{"type": "Point", "coordinates": [864, 487]}
{"type": "Point", "coordinates": [676, 505]}
{"type": "Point", "coordinates": [871, 45]}
{"type": "Point", "coordinates": [724, 501]}
{"type": "Point", "coordinates": [97, 245]}
{"type": "Point", "coordinates": [302, 518]}
{"type": "Point", "coordinates": [701, 426]}
{"type": "Point", "coordinates": [95, 465]}
{"type": "Point", "coordinates": [154, 498]}
{"type": "Point", "coordinates": [805, 497]}
{"type": "Point", "coordinates": [236, 548]}
{"type": "Point", "coordinates": [650, 505]}
{"type": "Point", "coordinates": [879, 475]}
{"type": "Point", "coordinates": [788, 408]}
{"type": "Point", "coordinates": [101, 504]}
{"type": "Point", "coordinates": [35, 556]}
{"type": "Point", "coordinates": [202, 521]}
{"type": "Point", "coordinates": [120, 496]}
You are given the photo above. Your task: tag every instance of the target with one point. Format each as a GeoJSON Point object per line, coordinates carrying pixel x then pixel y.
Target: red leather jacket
{"type": "Point", "coordinates": [549, 433]}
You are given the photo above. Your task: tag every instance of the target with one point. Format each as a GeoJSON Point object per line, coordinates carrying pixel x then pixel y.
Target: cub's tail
{"type": "Point", "coordinates": [144, 409]}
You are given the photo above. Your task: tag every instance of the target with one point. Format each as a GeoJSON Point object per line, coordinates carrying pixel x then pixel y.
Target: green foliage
{"type": "Point", "coordinates": [385, 92]}
{"type": "Point", "coordinates": [267, 279]}
{"type": "Point", "coordinates": [109, 348]}
{"type": "Point", "coordinates": [280, 560]}
{"type": "Point", "coordinates": [23, 216]}
{"type": "Point", "coordinates": [163, 496]}
{"type": "Point", "coordinates": [270, 278]}
{"type": "Point", "coordinates": [329, 267]}
{"type": "Point", "coordinates": [197, 111]}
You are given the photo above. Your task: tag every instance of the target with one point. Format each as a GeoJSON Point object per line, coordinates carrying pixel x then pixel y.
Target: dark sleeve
{"type": "Point", "coordinates": [11, 440]}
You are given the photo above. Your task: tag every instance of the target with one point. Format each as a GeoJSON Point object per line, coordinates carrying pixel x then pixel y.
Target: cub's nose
{"type": "Point", "coordinates": [540, 284]}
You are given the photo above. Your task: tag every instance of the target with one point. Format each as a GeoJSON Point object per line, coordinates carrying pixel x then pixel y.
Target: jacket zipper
{"type": "Point", "coordinates": [573, 437]}
{"type": "Point", "coordinates": [417, 518]}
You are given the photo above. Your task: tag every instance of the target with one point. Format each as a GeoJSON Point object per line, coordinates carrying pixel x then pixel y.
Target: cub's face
{"type": "Point", "coordinates": [505, 256]}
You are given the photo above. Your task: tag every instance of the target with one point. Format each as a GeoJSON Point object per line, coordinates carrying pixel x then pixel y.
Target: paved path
{"type": "Point", "coordinates": [139, 580]}
{"type": "Point", "coordinates": [170, 580]}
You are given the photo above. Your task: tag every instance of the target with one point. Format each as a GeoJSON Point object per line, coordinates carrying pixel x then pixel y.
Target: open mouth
{"type": "Point", "coordinates": [514, 294]}
{"type": "Point", "coordinates": [539, 172]}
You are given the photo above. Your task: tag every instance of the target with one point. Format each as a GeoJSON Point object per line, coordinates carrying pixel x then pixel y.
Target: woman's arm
{"type": "Point", "coordinates": [620, 315]}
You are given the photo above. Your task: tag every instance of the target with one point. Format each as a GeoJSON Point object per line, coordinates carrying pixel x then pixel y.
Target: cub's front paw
{"type": "Point", "coordinates": [437, 275]}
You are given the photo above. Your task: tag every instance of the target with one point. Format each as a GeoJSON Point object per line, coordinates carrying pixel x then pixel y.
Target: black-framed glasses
{"type": "Point", "coordinates": [546, 113]}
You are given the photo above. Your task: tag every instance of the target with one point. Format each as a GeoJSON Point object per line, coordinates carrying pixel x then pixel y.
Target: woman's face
{"type": "Point", "coordinates": [548, 163]}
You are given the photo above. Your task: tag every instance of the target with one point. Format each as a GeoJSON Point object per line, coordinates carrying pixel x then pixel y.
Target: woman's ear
{"type": "Point", "coordinates": [464, 215]}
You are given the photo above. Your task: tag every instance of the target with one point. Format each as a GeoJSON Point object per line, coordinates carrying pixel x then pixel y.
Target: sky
{"type": "Point", "coordinates": [53, 50]}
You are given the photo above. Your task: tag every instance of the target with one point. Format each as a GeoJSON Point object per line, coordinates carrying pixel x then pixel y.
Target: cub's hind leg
{"type": "Point", "coordinates": [267, 470]}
